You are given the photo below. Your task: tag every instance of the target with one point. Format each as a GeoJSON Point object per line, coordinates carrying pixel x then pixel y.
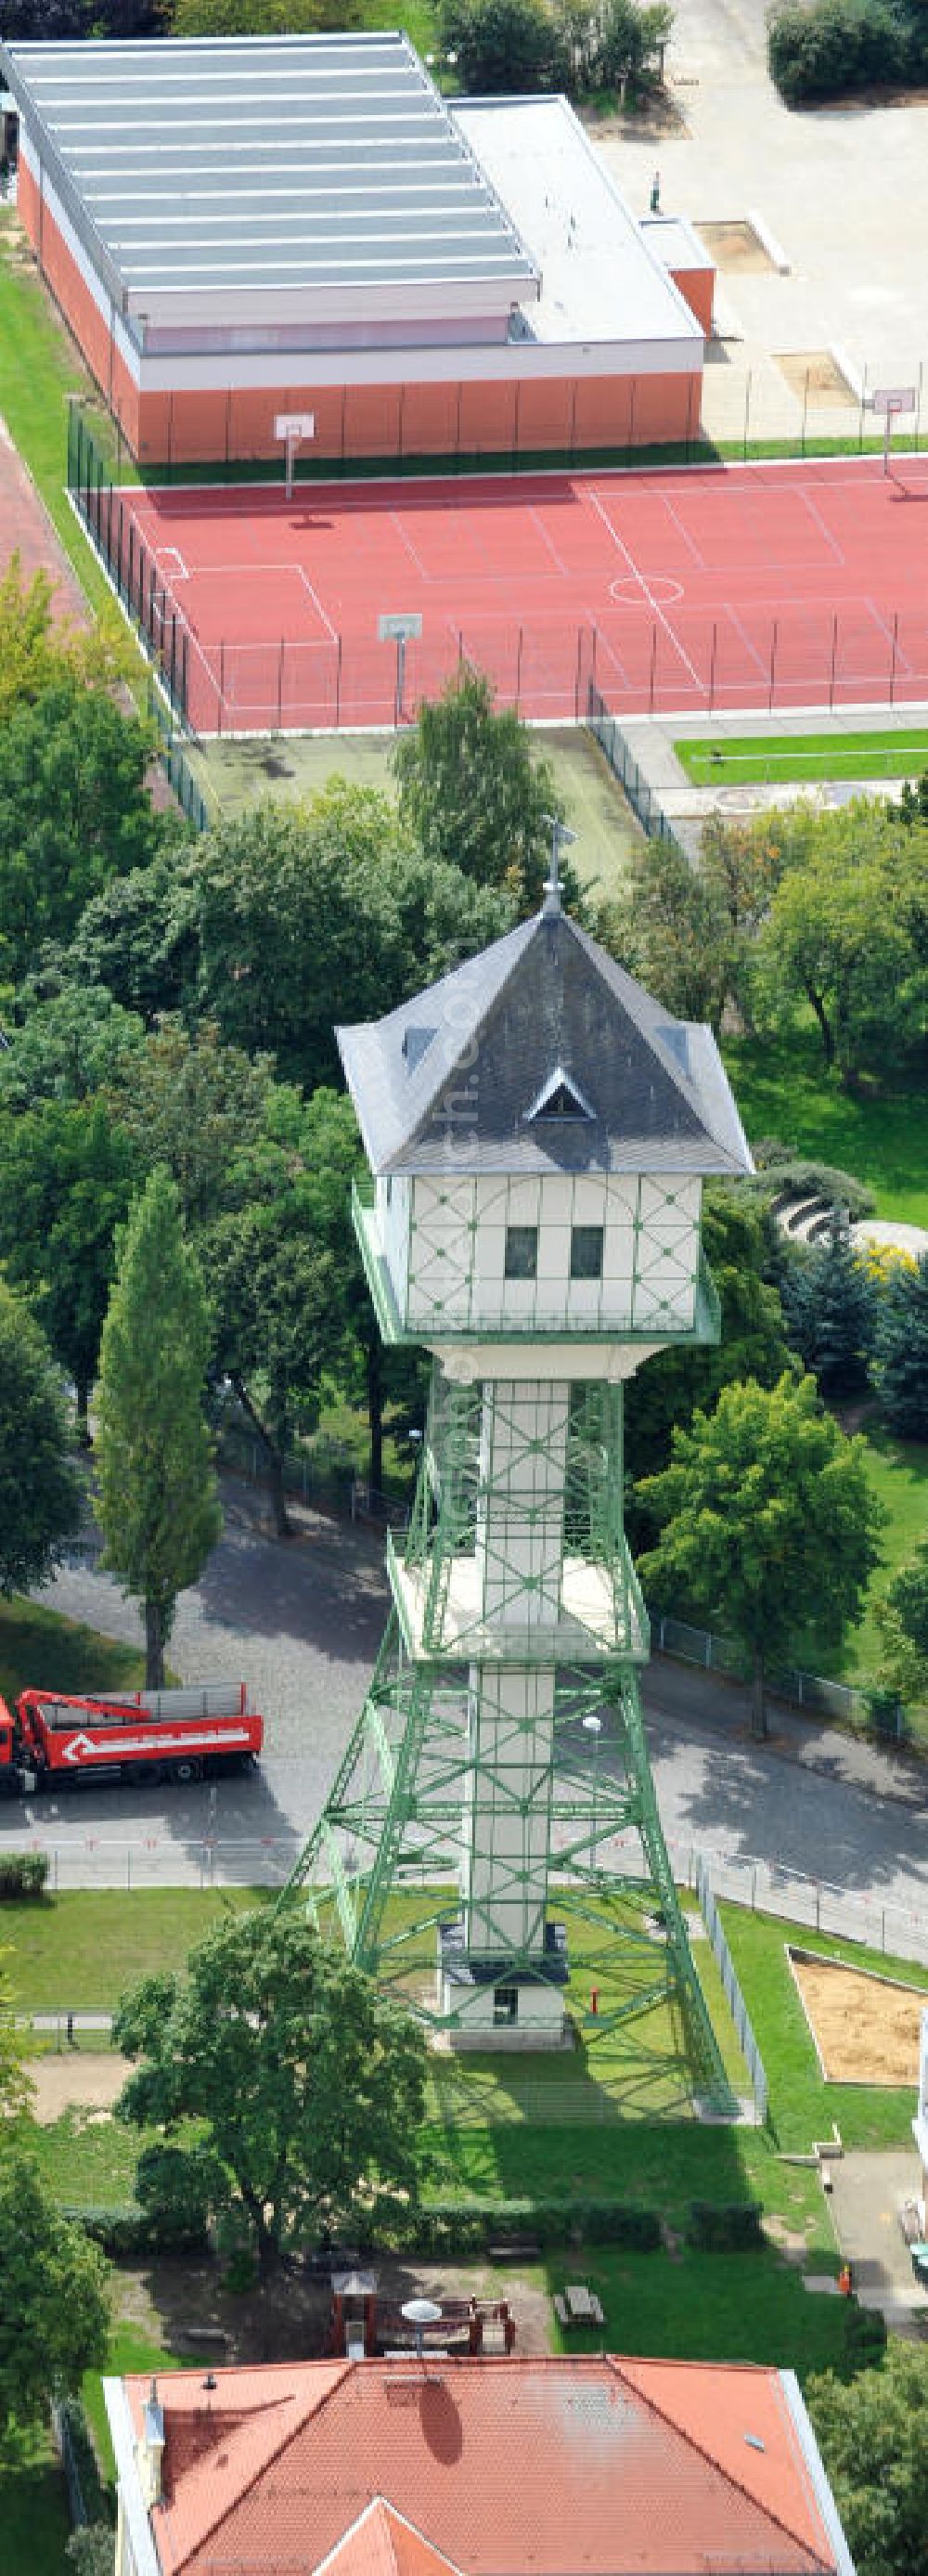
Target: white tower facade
{"type": "Point", "coordinates": [538, 1131]}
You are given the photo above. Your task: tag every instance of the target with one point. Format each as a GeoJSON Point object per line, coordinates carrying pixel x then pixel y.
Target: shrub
{"type": "Point", "coordinates": [865, 2335]}
{"type": "Point", "coordinates": [75, 2437]}
{"type": "Point", "coordinates": [89, 2552]}
{"type": "Point", "coordinates": [124, 2231]}
{"type": "Point", "coordinates": [732, 2228]}
{"type": "Point", "coordinates": [23, 1874]}
{"type": "Point", "coordinates": [799, 1179]}
{"type": "Point", "coordinates": [463, 2227]}
{"type": "Point", "coordinates": [504, 45]}
{"type": "Point", "coordinates": [837, 45]}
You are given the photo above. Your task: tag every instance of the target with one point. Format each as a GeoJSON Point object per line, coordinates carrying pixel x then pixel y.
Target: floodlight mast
{"type": "Point", "coordinates": [538, 1136]}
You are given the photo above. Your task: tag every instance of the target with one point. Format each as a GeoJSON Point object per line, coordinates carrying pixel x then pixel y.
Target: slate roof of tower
{"type": "Point", "coordinates": [449, 1081]}
{"type": "Point", "coordinates": [497, 2468]}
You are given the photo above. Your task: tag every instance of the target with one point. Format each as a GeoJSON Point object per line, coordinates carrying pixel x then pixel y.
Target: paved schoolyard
{"type": "Point", "coordinates": [867, 2191]}
{"type": "Point", "coordinates": [301, 1623]}
{"type": "Point", "coordinates": [842, 189]}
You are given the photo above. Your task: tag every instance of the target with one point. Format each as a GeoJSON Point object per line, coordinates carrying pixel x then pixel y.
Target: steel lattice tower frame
{"type": "Point", "coordinates": [471, 1844]}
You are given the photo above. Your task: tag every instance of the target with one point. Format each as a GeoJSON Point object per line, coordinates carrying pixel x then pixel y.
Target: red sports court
{"type": "Point", "coordinates": [737, 588]}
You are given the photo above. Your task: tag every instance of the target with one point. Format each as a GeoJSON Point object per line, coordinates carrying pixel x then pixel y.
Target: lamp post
{"type": "Point", "coordinates": [593, 1726]}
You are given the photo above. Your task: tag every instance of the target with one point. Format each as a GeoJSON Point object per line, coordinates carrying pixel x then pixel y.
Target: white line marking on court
{"type": "Point", "coordinates": [749, 647]}
{"type": "Point", "coordinates": [317, 603]}
{"type": "Point", "coordinates": [556, 559]}
{"type": "Point", "coordinates": [181, 573]}
{"type": "Point", "coordinates": [633, 589]}
{"type": "Point", "coordinates": [685, 534]}
{"type": "Point", "coordinates": [823, 528]}
{"type": "Point", "coordinates": [406, 540]}
{"type": "Point", "coordinates": [665, 622]}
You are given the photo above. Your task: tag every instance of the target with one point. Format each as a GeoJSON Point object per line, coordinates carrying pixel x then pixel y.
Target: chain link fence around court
{"type": "Point", "coordinates": [629, 661]}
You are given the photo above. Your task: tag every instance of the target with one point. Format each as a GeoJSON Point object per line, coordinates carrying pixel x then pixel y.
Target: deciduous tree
{"type": "Point", "coordinates": [901, 1616]}
{"type": "Point", "coordinates": [54, 2310]}
{"type": "Point", "coordinates": [741, 1254]}
{"type": "Point", "coordinates": [873, 2432]}
{"type": "Point", "coordinates": [157, 1503]}
{"type": "Point", "coordinates": [40, 1490]}
{"type": "Point", "coordinates": [501, 45]}
{"type": "Point", "coordinates": [770, 1525]}
{"type": "Point", "coordinates": [474, 794]}
{"type": "Point", "coordinates": [309, 2081]}
{"type": "Point", "coordinates": [66, 1176]}
{"type": "Point", "coordinates": [74, 811]}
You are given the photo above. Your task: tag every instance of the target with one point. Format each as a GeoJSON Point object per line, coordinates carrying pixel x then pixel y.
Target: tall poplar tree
{"type": "Point", "coordinates": [157, 1504]}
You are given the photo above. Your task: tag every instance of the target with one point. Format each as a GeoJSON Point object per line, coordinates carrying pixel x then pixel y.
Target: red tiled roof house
{"type": "Point", "coordinates": [587, 2467]}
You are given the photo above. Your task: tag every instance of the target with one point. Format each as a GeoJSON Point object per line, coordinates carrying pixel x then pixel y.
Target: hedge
{"type": "Point", "coordinates": [733, 2228]}
{"type": "Point", "coordinates": [434, 2230]}
{"type": "Point", "coordinates": [126, 2230]}
{"type": "Point", "coordinates": [74, 2430]}
{"type": "Point", "coordinates": [23, 1873]}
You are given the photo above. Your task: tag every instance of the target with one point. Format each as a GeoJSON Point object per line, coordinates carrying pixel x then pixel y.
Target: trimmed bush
{"type": "Point", "coordinates": [75, 2435]}
{"type": "Point", "coordinates": [865, 2335]}
{"type": "Point", "coordinates": [827, 49]}
{"type": "Point", "coordinates": [125, 2230]}
{"type": "Point", "coordinates": [799, 1179]}
{"type": "Point", "coordinates": [462, 2227]}
{"type": "Point", "coordinates": [733, 2228]}
{"type": "Point", "coordinates": [23, 1874]}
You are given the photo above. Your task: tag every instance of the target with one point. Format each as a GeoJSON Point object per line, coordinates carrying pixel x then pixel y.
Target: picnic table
{"type": "Point", "coordinates": [579, 2306]}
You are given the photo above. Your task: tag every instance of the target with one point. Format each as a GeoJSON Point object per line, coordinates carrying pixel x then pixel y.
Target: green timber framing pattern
{"type": "Point", "coordinates": [667, 1294]}
{"type": "Point", "coordinates": [416, 1796]}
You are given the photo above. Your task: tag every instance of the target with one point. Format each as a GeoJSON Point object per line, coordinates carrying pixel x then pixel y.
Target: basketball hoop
{"type": "Point", "coordinates": [292, 427]}
{"type": "Point", "coordinates": [889, 401]}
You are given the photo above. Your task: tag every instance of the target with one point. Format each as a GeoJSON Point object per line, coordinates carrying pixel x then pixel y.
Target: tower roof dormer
{"type": "Point", "coordinates": [541, 1054]}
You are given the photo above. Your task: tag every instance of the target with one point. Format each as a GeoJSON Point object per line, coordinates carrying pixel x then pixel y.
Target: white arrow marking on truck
{"type": "Point", "coordinates": [79, 1746]}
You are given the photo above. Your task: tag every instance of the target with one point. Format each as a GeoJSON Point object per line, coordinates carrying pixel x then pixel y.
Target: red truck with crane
{"type": "Point", "coordinates": [49, 1739]}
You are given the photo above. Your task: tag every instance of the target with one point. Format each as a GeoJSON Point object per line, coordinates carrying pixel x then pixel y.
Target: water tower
{"type": "Point", "coordinates": [538, 1130]}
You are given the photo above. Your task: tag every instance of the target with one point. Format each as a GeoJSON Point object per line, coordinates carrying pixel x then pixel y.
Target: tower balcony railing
{"type": "Point", "coordinates": [515, 1607]}
{"type": "Point", "coordinates": [687, 1314]}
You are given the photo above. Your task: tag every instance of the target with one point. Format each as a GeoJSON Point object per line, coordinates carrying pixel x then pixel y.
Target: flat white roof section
{"type": "Point", "coordinates": [602, 279]}
{"type": "Point", "coordinates": [219, 179]}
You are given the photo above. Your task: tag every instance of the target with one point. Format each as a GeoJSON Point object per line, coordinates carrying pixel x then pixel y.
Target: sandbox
{"type": "Point", "coordinates": [865, 2026]}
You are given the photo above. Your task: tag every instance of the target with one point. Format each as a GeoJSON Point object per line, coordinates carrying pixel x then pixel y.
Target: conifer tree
{"type": "Point", "coordinates": [157, 1503]}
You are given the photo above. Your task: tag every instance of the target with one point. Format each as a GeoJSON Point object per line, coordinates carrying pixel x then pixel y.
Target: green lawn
{"type": "Point", "coordinates": [77, 1952]}
{"type": "Point", "coordinates": [787, 759]}
{"type": "Point", "coordinates": [39, 1649]}
{"type": "Point", "coordinates": [39, 368]}
{"type": "Point", "coordinates": [703, 2307]}
{"type": "Point", "coordinates": [782, 1089]}
{"type": "Point", "coordinates": [802, 2105]}
{"type": "Point", "coordinates": [34, 2519]}
{"type": "Point", "coordinates": [898, 1471]}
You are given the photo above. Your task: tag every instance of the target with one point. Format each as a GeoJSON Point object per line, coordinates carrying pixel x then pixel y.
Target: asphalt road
{"type": "Point", "coordinates": [301, 1624]}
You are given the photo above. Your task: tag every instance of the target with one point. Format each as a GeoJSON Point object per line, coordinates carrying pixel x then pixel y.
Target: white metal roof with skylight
{"type": "Point", "coordinates": [222, 175]}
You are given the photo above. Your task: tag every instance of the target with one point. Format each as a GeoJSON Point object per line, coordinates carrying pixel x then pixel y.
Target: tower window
{"type": "Point", "coordinates": [521, 1252]}
{"type": "Point", "coordinates": [586, 1252]}
{"type": "Point", "coordinates": [505, 2006]}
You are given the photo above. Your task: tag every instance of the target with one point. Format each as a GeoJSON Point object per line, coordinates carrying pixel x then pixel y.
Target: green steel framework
{"type": "Point", "coordinates": [389, 1857]}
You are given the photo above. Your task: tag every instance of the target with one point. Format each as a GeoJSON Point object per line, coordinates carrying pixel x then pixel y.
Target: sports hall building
{"type": "Point", "coordinates": [240, 229]}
